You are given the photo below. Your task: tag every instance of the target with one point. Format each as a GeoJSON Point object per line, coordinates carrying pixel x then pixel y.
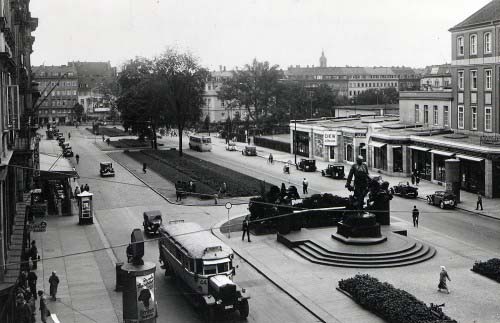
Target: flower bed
{"type": "Point", "coordinates": [110, 132]}
{"type": "Point", "coordinates": [129, 143]}
{"type": "Point", "coordinates": [489, 268]}
{"type": "Point", "coordinates": [392, 304]}
{"type": "Point", "coordinates": [207, 176]}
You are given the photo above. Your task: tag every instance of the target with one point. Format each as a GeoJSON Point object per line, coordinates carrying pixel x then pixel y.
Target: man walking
{"type": "Point", "coordinates": [415, 214]}
{"type": "Point", "coordinates": [479, 201]}
{"type": "Point", "coordinates": [34, 255]}
{"type": "Point", "coordinates": [443, 275]}
{"type": "Point", "coordinates": [305, 184]}
{"type": "Point", "coordinates": [44, 311]}
{"type": "Point", "coordinates": [54, 282]}
{"type": "Point", "coordinates": [32, 278]}
{"type": "Point", "coordinates": [77, 157]}
{"type": "Point", "coordinates": [246, 229]}
{"type": "Point", "coordinates": [144, 168]}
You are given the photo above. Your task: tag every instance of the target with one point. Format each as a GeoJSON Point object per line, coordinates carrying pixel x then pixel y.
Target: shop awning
{"type": "Point", "coordinates": [393, 147]}
{"type": "Point", "coordinates": [56, 167]}
{"type": "Point", "coordinates": [377, 144]}
{"type": "Point", "coordinates": [476, 159]}
{"type": "Point", "coordinates": [420, 148]}
{"type": "Point", "coordinates": [443, 153]}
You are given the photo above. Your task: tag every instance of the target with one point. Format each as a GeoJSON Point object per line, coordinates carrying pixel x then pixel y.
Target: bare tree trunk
{"type": "Point", "coordinates": [180, 128]}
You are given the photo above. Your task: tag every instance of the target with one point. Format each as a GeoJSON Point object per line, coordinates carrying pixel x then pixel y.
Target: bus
{"type": "Point", "coordinates": [200, 143]}
{"type": "Point", "coordinates": [204, 266]}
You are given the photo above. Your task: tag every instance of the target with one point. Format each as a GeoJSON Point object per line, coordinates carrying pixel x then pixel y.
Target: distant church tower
{"type": "Point", "coordinates": [322, 60]}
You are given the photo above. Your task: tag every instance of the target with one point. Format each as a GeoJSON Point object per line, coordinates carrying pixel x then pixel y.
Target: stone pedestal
{"type": "Point", "coordinates": [139, 303]}
{"type": "Point", "coordinates": [359, 229]}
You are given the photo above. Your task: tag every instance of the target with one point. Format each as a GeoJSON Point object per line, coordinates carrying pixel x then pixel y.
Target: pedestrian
{"type": "Point", "coordinates": [44, 311]}
{"type": "Point", "coordinates": [248, 140]}
{"type": "Point", "coordinates": [144, 168]}
{"type": "Point", "coordinates": [417, 178]}
{"type": "Point", "coordinates": [82, 188]}
{"type": "Point", "coordinates": [23, 312]}
{"type": "Point", "coordinates": [22, 280]}
{"type": "Point", "coordinates": [54, 282]}
{"type": "Point", "coordinates": [443, 275]}
{"type": "Point", "coordinates": [479, 201]}
{"type": "Point", "coordinates": [77, 191]}
{"type": "Point", "coordinates": [413, 179]}
{"type": "Point", "coordinates": [246, 229]}
{"type": "Point", "coordinates": [77, 157]}
{"type": "Point", "coordinates": [86, 188]}
{"type": "Point", "coordinates": [270, 159]}
{"type": "Point", "coordinates": [178, 196]}
{"type": "Point", "coordinates": [305, 184]}
{"type": "Point", "coordinates": [69, 135]}
{"type": "Point", "coordinates": [415, 215]}
{"type": "Point", "coordinates": [34, 255]}
{"type": "Point", "coordinates": [32, 306]}
{"type": "Point", "coordinates": [32, 278]}
{"type": "Point", "coordinates": [283, 190]}
{"type": "Point", "coordinates": [103, 138]}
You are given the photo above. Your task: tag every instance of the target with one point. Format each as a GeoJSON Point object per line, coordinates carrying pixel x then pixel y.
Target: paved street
{"type": "Point", "coordinates": [119, 203]}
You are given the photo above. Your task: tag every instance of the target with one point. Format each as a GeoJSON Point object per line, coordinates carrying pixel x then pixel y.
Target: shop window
{"type": "Point", "coordinates": [421, 163]}
{"type": "Point", "coordinates": [472, 173]}
{"type": "Point", "coordinates": [439, 168]}
{"type": "Point", "coordinates": [349, 153]}
{"type": "Point", "coordinates": [318, 145]}
{"type": "Point", "coordinates": [332, 152]}
{"type": "Point", "coordinates": [380, 157]}
{"type": "Point", "coordinates": [302, 143]}
{"type": "Point", "coordinates": [397, 158]}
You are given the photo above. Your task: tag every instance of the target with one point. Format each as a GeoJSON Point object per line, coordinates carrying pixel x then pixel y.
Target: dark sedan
{"type": "Point", "coordinates": [443, 199]}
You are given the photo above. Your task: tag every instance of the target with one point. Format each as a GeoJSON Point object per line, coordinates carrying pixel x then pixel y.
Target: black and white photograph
{"type": "Point", "coordinates": [253, 161]}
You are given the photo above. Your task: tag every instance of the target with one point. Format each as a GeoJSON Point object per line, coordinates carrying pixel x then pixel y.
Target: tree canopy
{"type": "Point", "coordinates": [374, 96]}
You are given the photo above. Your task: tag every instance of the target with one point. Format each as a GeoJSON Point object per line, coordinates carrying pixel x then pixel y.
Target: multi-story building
{"type": "Point", "coordinates": [366, 78]}
{"type": "Point", "coordinates": [18, 154]}
{"type": "Point", "coordinates": [216, 109]}
{"type": "Point", "coordinates": [436, 78]}
{"type": "Point", "coordinates": [408, 78]}
{"type": "Point", "coordinates": [96, 87]}
{"type": "Point", "coordinates": [59, 89]}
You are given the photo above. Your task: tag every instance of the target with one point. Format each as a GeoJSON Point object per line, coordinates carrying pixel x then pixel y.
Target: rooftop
{"type": "Point", "coordinates": [437, 70]}
{"type": "Point", "coordinates": [361, 123]}
{"type": "Point", "coordinates": [488, 14]}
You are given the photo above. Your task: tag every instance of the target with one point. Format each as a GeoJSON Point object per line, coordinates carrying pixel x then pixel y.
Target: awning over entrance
{"type": "Point", "coordinates": [56, 167]}
{"type": "Point", "coordinates": [395, 147]}
{"type": "Point", "coordinates": [377, 144]}
{"type": "Point", "coordinates": [476, 159]}
{"type": "Point", "coordinates": [443, 153]}
{"type": "Point", "coordinates": [419, 148]}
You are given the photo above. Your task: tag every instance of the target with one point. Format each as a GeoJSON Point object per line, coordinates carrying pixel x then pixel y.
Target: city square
{"type": "Point", "coordinates": [166, 188]}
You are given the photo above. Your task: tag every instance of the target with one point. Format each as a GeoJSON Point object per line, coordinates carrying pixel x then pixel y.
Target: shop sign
{"type": "Point", "coordinates": [330, 138]}
{"type": "Point", "coordinates": [490, 140]}
{"type": "Point", "coordinates": [145, 296]}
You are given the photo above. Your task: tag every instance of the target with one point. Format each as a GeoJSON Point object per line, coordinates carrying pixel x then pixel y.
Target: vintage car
{"type": "Point", "coordinates": [334, 171]}
{"type": "Point", "coordinates": [405, 190]}
{"type": "Point", "coordinates": [292, 192]}
{"type": "Point", "coordinates": [61, 141]}
{"type": "Point", "coordinates": [231, 146]}
{"type": "Point", "coordinates": [307, 165]}
{"type": "Point", "coordinates": [106, 169]}
{"type": "Point", "coordinates": [206, 269]}
{"type": "Point", "coordinates": [152, 222]}
{"type": "Point", "coordinates": [67, 151]}
{"type": "Point", "coordinates": [443, 199]}
{"type": "Point", "coordinates": [249, 151]}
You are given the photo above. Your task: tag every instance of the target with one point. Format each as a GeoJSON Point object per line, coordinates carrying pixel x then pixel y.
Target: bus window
{"type": "Point", "coordinates": [223, 267]}
{"type": "Point", "coordinates": [207, 140]}
{"type": "Point", "coordinates": [209, 269]}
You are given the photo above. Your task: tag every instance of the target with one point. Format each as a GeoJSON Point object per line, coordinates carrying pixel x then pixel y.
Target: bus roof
{"type": "Point", "coordinates": [198, 243]}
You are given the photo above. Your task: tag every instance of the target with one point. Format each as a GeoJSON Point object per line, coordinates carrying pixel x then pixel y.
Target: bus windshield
{"type": "Point", "coordinates": [211, 268]}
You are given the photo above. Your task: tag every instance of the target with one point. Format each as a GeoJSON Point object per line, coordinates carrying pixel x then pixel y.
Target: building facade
{"type": "Point", "coordinates": [436, 78]}
{"type": "Point", "coordinates": [18, 155]}
{"type": "Point", "coordinates": [59, 89]}
{"type": "Point", "coordinates": [426, 108]}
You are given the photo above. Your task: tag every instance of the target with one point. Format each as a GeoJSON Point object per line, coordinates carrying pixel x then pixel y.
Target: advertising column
{"type": "Point", "coordinates": [139, 304]}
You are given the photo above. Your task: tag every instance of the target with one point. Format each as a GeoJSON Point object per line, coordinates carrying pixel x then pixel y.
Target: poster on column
{"type": "Point", "coordinates": [145, 296]}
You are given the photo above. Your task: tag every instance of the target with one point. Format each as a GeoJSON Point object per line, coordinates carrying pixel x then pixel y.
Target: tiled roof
{"type": "Point", "coordinates": [93, 68]}
{"type": "Point", "coordinates": [294, 71]}
{"type": "Point", "coordinates": [48, 70]}
{"type": "Point", "coordinates": [487, 14]}
{"type": "Point", "coordinates": [437, 70]}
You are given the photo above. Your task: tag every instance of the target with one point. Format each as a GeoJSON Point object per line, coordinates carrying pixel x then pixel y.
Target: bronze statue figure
{"type": "Point", "coordinates": [361, 180]}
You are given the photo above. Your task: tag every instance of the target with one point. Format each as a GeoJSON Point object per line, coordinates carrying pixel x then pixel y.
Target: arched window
{"type": "Point", "coordinates": [487, 43]}
{"type": "Point", "coordinates": [349, 153]}
{"type": "Point", "coordinates": [473, 45]}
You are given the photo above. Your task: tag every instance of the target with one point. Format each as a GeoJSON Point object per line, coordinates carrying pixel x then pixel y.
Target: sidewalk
{"type": "Point", "coordinates": [82, 295]}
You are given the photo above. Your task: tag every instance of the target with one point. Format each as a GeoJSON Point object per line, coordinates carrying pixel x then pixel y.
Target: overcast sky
{"type": "Point", "coordinates": [233, 32]}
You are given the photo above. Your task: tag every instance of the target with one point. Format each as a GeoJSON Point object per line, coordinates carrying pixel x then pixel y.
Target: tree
{"type": "Point", "coordinates": [375, 96]}
{"type": "Point", "coordinates": [206, 124]}
{"type": "Point", "coordinates": [183, 85]}
{"type": "Point", "coordinates": [254, 88]}
{"type": "Point", "coordinates": [323, 100]}
{"type": "Point", "coordinates": [78, 111]}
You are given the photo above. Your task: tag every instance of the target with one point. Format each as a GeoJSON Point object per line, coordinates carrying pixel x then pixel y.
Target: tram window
{"type": "Point", "coordinates": [209, 269]}
{"type": "Point", "coordinates": [223, 267]}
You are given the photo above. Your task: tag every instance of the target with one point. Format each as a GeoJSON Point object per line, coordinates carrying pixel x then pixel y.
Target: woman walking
{"type": "Point", "coordinates": [443, 275]}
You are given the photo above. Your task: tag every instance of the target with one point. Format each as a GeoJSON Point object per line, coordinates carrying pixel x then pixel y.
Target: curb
{"type": "Point", "coordinates": [465, 210]}
{"type": "Point", "coordinates": [273, 281]}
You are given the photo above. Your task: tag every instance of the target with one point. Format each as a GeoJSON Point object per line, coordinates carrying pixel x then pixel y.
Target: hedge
{"type": "Point", "coordinates": [392, 304]}
{"type": "Point", "coordinates": [272, 144]}
{"type": "Point", "coordinates": [489, 268]}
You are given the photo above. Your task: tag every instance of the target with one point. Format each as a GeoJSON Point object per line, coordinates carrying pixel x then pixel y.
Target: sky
{"type": "Point", "coordinates": [233, 32]}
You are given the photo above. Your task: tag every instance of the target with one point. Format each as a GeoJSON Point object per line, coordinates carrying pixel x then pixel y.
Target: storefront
{"type": "Point", "coordinates": [472, 173]}
{"type": "Point", "coordinates": [421, 160]}
{"type": "Point", "coordinates": [439, 158]}
{"type": "Point", "coordinates": [379, 155]}
{"type": "Point", "coordinates": [330, 143]}
{"type": "Point", "coordinates": [397, 159]}
{"type": "Point", "coordinates": [301, 147]}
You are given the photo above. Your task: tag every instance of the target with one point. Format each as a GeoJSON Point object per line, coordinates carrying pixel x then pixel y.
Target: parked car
{"type": "Point", "coordinates": [249, 151]}
{"type": "Point", "coordinates": [292, 192]}
{"type": "Point", "coordinates": [107, 169]}
{"type": "Point", "coordinates": [307, 165]}
{"type": "Point", "coordinates": [231, 146]}
{"type": "Point", "coordinates": [67, 151]}
{"type": "Point", "coordinates": [334, 171]}
{"type": "Point", "coordinates": [405, 190]}
{"type": "Point", "coordinates": [152, 221]}
{"type": "Point", "coordinates": [443, 199]}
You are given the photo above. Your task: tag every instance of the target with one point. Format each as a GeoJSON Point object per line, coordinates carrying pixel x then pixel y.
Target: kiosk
{"type": "Point", "coordinates": [85, 208]}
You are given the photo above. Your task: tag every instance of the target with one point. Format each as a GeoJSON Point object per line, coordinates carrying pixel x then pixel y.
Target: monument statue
{"type": "Point", "coordinates": [361, 180]}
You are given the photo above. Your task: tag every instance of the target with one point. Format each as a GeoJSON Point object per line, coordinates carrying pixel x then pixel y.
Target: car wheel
{"type": "Point", "coordinates": [243, 308]}
{"type": "Point", "coordinates": [441, 205]}
{"type": "Point", "coordinates": [416, 194]}
{"type": "Point", "coordinates": [322, 173]}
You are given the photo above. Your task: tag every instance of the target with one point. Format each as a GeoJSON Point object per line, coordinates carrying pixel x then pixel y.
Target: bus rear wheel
{"type": "Point", "coordinates": [244, 309]}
